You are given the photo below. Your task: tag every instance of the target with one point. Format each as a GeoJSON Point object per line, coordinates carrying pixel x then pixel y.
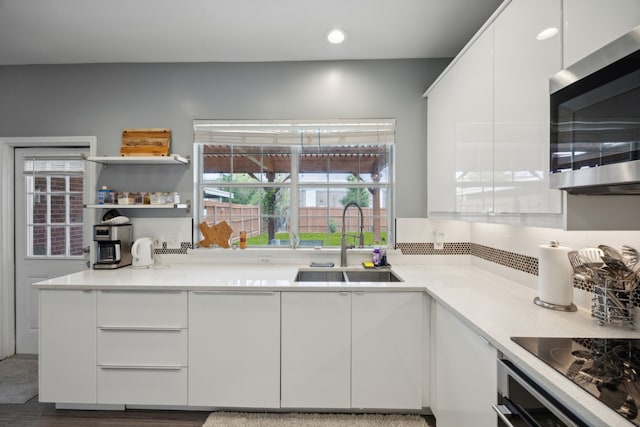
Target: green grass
{"type": "Point", "coordinates": [332, 239]}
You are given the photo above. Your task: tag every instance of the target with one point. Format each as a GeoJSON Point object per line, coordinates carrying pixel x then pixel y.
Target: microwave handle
{"type": "Point", "coordinates": [117, 254]}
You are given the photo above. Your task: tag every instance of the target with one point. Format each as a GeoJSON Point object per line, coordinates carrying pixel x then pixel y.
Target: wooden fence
{"type": "Point", "coordinates": [312, 219]}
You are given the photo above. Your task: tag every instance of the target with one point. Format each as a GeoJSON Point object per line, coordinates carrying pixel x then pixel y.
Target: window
{"type": "Point", "coordinates": [54, 190]}
{"type": "Point", "coordinates": [284, 182]}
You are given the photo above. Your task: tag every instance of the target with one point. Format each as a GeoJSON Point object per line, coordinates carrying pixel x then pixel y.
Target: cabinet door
{"type": "Point", "coordinates": [591, 24]}
{"type": "Point", "coordinates": [316, 340]}
{"type": "Point", "coordinates": [522, 67]}
{"type": "Point", "coordinates": [464, 373]}
{"type": "Point", "coordinates": [473, 94]}
{"type": "Point", "coordinates": [67, 361]}
{"type": "Point", "coordinates": [386, 353]}
{"type": "Point", "coordinates": [234, 349]}
{"type": "Point", "coordinates": [441, 167]}
{"type": "Point", "coordinates": [157, 309]}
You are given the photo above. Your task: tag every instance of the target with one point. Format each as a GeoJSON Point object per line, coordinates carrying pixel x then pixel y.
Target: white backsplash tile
{"type": "Point", "coordinates": [166, 229]}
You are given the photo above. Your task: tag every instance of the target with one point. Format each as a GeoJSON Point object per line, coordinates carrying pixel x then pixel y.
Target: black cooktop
{"type": "Point", "coordinates": [608, 368]}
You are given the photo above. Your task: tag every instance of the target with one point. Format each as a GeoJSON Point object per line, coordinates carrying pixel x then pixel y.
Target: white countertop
{"type": "Point", "coordinates": [493, 307]}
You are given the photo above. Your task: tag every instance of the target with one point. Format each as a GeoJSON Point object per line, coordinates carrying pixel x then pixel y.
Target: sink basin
{"type": "Point", "coordinates": [347, 276]}
{"type": "Point", "coordinates": [372, 276]}
{"type": "Point", "coordinates": [319, 276]}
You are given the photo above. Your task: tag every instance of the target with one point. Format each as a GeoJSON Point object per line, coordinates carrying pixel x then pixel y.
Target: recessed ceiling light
{"type": "Point", "coordinates": [547, 33]}
{"type": "Point", "coordinates": [336, 36]}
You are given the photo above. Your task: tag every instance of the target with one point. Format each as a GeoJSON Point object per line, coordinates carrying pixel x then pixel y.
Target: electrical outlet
{"type": "Point", "coordinates": [438, 240]}
{"type": "Point", "coordinates": [264, 260]}
{"type": "Point", "coordinates": [157, 243]}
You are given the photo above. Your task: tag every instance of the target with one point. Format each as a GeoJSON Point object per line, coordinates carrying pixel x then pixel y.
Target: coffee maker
{"type": "Point", "coordinates": [113, 242]}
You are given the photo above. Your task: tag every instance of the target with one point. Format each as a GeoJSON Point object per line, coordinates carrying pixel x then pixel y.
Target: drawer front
{"type": "Point", "coordinates": [142, 386]}
{"type": "Point", "coordinates": [142, 347]}
{"type": "Point", "coordinates": [142, 308]}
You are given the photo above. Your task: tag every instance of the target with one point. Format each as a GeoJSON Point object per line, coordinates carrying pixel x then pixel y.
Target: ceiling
{"type": "Point", "coordinates": [93, 31]}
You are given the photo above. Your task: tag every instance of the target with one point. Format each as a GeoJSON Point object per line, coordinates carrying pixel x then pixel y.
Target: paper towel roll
{"type": "Point", "coordinates": [555, 275]}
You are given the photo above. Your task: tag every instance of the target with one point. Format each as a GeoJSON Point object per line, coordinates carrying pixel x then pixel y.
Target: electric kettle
{"type": "Point", "coordinates": [142, 253]}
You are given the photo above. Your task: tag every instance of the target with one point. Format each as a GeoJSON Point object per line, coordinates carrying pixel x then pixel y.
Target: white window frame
{"type": "Point", "coordinates": [296, 134]}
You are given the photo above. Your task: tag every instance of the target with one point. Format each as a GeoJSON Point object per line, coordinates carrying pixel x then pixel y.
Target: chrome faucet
{"type": "Point", "coordinates": [343, 243]}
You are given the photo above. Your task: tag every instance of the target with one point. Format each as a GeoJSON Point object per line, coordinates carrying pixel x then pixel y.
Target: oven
{"type": "Point", "coordinates": [522, 402]}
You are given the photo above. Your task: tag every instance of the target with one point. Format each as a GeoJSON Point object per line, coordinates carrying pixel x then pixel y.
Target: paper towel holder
{"type": "Point", "coordinates": [567, 308]}
{"type": "Point", "coordinates": [570, 307]}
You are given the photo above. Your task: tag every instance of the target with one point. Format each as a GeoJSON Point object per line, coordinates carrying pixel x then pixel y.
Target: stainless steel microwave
{"type": "Point", "coordinates": [595, 121]}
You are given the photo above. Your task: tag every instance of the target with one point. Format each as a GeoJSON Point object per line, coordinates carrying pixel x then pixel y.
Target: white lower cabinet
{"type": "Point", "coordinates": [316, 349]}
{"type": "Point", "coordinates": [142, 347]}
{"type": "Point", "coordinates": [464, 373]}
{"type": "Point", "coordinates": [340, 350]}
{"type": "Point", "coordinates": [234, 349]}
{"type": "Point", "coordinates": [386, 350]}
{"type": "Point", "coordinates": [67, 359]}
{"type": "Point", "coordinates": [359, 350]}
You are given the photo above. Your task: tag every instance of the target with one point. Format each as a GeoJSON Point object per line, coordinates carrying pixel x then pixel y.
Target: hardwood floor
{"type": "Point", "coordinates": [36, 414]}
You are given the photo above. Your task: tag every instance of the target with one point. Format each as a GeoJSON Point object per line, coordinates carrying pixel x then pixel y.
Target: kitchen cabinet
{"type": "Point", "coordinates": [474, 152]}
{"type": "Point", "coordinates": [386, 350]}
{"type": "Point", "coordinates": [441, 148]}
{"type": "Point", "coordinates": [464, 372]}
{"type": "Point", "coordinates": [250, 349]}
{"type": "Point", "coordinates": [142, 347]}
{"type": "Point", "coordinates": [234, 349]}
{"type": "Point", "coordinates": [359, 350]}
{"type": "Point", "coordinates": [460, 133]}
{"type": "Point", "coordinates": [492, 105]}
{"type": "Point", "coordinates": [316, 350]}
{"type": "Point", "coordinates": [590, 24]}
{"type": "Point", "coordinates": [67, 354]}
{"type": "Point", "coordinates": [522, 65]}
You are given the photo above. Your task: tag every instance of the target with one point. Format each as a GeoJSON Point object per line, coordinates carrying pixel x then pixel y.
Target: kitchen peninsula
{"type": "Point", "coordinates": [93, 308]}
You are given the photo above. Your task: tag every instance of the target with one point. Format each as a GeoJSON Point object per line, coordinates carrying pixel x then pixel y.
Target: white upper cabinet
{"type": "Point", "coordinates": [460, 134]}
{"type": "Point", "coordinates": [522, 67]}
{"type": "Point", "coordinates": [473, 98]}
{"type": "Point", "coordinates": [591, 24]}
{"type": "Point", "coordinates": [441, 154]}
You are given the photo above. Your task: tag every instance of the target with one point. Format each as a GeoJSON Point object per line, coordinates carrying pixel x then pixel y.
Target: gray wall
{"type": "Point", "coordinates": [103, 99]}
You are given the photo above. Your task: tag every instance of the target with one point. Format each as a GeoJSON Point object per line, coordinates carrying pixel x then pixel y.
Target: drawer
{"type": "Point", "coordinates": [142, 308]}
{"type": "Point", "coordinates": [142, 386]}
{"type": "Point", "coordinates": [119, 346]}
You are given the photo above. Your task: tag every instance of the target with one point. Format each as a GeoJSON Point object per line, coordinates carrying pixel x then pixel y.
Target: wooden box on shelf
{"type": "Point", "coordinates": [145, 142]}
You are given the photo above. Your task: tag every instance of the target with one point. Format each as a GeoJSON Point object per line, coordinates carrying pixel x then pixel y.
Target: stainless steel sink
{"type": "Point", "coordinates": [347, 276]}
{"type": "Point", "coordinates": [320, 276]}
{"type": "Point", "coordinates": [372, 276]}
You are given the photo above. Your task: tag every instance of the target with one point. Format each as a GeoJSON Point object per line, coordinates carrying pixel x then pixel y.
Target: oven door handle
{"type": "Point", "coordinates": [502, 412]}
{"type": "Point", "coordinates": [511, 409]}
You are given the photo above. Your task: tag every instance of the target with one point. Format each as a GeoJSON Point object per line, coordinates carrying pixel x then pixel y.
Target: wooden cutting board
{"type": "Point", "coordinates": [145, 142]}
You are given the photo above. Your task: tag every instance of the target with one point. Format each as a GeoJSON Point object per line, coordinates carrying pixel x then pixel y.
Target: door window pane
{"type": "Point", "coordinates": [54, 207]}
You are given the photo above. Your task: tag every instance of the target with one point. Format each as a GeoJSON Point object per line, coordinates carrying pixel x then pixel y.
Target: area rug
{"type": "Point", "coordinates": [259, 419]}
{"type": "Point", "coordinates": [18, 379]}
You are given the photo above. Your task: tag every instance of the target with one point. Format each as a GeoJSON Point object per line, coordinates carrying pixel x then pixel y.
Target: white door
{"type": "Point", "coordinates": [51, 233]}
